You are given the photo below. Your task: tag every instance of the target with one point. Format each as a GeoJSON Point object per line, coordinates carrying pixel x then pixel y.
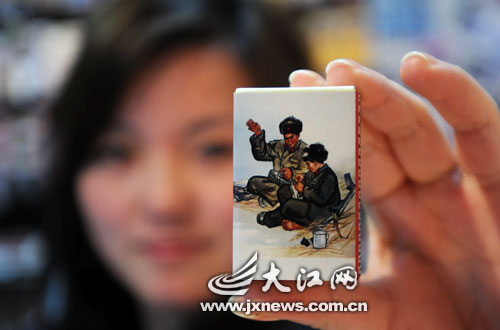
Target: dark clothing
{"type": "Point", "coordinates": [281, 156]}
{"type": "Point", "coordinates": [322, 191]}
{"type": "Point", "coordinates": [321, 195]}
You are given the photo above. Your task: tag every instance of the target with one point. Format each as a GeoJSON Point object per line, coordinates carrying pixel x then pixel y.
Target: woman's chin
{"type": "Point", "coordinates": [181, 283]}
{"type": "Point", "coordinates": [184, 286]}
{"type": "Point", "coordinates": [178, 292]}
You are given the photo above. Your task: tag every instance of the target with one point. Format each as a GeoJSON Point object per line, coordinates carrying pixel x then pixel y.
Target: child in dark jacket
{"type": "Point", "coordinates": [312, 197]}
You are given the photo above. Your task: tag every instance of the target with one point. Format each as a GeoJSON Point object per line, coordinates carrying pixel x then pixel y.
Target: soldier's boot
{"type": "Point", "coordinates": [263, 203]}
{"type": "Point", "coordinates": [260, 218]}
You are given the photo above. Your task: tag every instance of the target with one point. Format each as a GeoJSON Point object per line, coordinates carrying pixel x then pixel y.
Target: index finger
{"type": "Point", "coordinates": [469, 109]}
{"type": "Point", "coordinates": [404, 135]}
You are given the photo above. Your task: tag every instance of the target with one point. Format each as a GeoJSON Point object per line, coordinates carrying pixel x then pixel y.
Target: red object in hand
{"type": "Point", "coordinates": [286, 172]}
{"type": "Point", "coordinates": [254, 127]}
{"type": "Point", "coordinates": [299, 177]}
{"type": "Point", "coordinates": [299, 186]}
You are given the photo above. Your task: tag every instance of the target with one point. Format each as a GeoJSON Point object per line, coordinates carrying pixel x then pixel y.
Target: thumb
{"type": "Point", "coordinates": [365, 307]}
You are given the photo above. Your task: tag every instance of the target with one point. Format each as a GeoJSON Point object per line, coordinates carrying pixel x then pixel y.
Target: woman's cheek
{"type": "Point", "coordinates": [103, 201]}
{"type": "Point", "coordinates": [218, 199]}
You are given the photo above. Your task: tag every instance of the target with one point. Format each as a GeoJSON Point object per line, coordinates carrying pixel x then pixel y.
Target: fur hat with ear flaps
{"type": "Point", "coordinates": [316, 152]}
{"type": "Point", "coordinates": [290, 125]}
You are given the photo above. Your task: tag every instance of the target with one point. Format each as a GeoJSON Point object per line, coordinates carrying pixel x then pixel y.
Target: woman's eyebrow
{"type": "Point", "coordinates": [120, 127]}
{"type": "Point", "coordinates": [205, 124]}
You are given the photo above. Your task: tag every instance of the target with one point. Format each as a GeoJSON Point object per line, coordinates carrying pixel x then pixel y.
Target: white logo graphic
{"type": "Point", "coordinates": [236, 284]}
{"type": "Point", "coordinates": [346, 276]}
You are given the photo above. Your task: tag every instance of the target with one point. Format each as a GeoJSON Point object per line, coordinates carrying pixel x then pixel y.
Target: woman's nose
{"type": "Point", "coordinates": [166, 191]}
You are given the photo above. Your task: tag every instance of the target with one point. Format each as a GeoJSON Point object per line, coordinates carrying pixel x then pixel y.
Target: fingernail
{"type": "Point", "coordinates": [415, 53]}
{"type": "Point", "coordinates": [291, 77]}
{"type": "Point", "coordinates": [340, 60]}
{"type": "Point", "coordinates": [255, 316]}
{"type": "Point", "coordinates": [301, 71]}
{"type": "Point", "coordinates": [236, 299]}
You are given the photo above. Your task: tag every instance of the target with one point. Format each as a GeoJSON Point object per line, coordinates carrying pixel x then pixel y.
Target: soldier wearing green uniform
{"type": "Point", "coordinates": [286, 155]}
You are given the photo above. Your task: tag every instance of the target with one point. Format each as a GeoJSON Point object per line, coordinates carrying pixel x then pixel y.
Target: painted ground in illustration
{"type": "Point", "coordinates": [277, 242]}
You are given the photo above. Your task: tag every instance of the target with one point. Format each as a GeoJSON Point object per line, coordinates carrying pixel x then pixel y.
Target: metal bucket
{"type": "Point", "coordinates": [320, 239]}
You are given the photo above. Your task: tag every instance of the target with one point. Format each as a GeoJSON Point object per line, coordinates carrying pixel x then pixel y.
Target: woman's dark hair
{"type": "Point", "coordinates": [121, 39]}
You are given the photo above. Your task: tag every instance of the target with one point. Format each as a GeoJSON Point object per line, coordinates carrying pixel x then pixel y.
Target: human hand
{"type": "Point", "coordinates": [286, 173]}
{"type": "Point", "coordinates": [254, 127]}
{"type": "Point", "coordinates": [299, 186]}
{"type": "Point", "coordinates": [299, 177]}
{"type": "Point", "coordinates": [434, 259]}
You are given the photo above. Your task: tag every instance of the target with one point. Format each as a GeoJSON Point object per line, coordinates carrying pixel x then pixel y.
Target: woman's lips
{"type": "Point", "coordinates": [173, 251]}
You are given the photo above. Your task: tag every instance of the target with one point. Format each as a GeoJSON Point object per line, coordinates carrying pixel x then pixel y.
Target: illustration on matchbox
{"type": "Point", "coordinates": [295, 192]}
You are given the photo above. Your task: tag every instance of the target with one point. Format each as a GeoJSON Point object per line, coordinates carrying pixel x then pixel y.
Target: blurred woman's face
{"type": "Point", "coordinates": [157, 196]}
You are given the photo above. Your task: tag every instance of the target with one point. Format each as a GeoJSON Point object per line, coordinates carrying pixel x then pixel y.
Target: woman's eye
{"type": "Point", "coordinates": [215, 151]}
{"type": "Point", "coordinates": [111, 153]}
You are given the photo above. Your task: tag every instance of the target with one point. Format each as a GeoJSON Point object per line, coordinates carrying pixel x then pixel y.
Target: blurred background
{"type": "Point", "coordinates": [39, 40]}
